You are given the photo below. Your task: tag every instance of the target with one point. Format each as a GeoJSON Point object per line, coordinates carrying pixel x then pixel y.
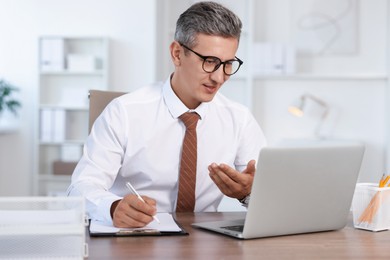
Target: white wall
{"type": "Point", "coordinates": [358, 103]}
{"type": "Point", "coordinates": [129, 24]}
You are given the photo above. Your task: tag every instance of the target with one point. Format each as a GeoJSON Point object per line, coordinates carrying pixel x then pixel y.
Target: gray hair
{"type": "Point", "coordinates": [208, 18]}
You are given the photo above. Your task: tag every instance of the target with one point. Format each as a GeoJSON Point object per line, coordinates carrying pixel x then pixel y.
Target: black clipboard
{"type": "Point", "coordinates": [139, 232]}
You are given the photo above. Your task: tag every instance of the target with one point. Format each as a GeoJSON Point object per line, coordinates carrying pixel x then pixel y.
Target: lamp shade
{"type": "Point", "coordinates": [307, 102]}
{"type": "Point", "coordinates": [297, 107]}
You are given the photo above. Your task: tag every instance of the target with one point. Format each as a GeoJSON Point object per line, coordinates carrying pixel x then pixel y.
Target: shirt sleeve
{"type": "Point", "coordinates": [252, 140]}
{"type": "Point", "coordinates": [102, 156]}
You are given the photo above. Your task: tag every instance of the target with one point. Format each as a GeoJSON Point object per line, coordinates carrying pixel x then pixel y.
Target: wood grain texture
{"type": "Point", "coordinates": [347, 243]}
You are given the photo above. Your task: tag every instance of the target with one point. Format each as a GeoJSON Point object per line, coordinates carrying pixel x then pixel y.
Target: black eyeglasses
{"type": "Point", "coordinates": [211, 63]}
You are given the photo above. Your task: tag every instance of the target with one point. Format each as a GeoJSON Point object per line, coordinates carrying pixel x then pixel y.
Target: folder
{"type": "Point", "coordinates": [46, 125]}
{"type": "Point", "coordinates": [167, 227]}
{"type": "Point", "coordinates": [52, 54]}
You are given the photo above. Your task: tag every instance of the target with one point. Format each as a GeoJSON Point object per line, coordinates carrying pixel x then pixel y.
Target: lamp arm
{"type": "Point", "coordinates": [324, 114]}
{"type": "Point", "coordinates": [317, 100]}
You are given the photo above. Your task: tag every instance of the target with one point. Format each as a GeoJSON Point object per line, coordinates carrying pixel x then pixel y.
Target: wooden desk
{"type": "Point", "coordinates": [348, 243]}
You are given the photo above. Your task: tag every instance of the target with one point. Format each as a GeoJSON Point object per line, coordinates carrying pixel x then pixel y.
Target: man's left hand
{"type": "Point", "coordinates": [231, 182]}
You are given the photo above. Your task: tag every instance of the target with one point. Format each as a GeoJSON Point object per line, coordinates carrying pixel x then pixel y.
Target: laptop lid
{"type": "Point", "coordinates": [298, 190]}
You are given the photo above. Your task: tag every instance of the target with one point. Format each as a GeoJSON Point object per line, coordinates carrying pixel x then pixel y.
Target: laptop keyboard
{"type": "Point", "coordinates": [238, 228]}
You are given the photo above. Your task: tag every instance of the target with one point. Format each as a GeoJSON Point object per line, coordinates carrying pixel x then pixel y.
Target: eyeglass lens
{"type": "Point", "coordinates": [211, 64]}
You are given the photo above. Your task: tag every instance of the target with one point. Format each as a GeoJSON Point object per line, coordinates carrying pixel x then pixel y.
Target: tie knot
{"type": "Point", "coordinates": [190, 120]}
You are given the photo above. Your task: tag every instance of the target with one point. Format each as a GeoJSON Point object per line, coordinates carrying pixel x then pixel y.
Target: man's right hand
{"type": "Point", "coordinates": [131, 212]}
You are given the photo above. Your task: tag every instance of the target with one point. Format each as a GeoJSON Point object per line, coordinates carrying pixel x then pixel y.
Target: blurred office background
{"type": "Point", "coordinates": [336, 51]}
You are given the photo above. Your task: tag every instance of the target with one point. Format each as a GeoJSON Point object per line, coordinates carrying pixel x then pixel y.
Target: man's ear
{"type": "Point", "coordinates": [175, 49]}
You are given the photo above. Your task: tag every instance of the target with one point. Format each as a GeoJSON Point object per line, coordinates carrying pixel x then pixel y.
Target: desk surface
{"type": "Point", "coordinates": [347, 243]}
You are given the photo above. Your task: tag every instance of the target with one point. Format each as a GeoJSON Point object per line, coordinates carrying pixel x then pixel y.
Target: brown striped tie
{"type": "Point", "coordinates": [187, 178]}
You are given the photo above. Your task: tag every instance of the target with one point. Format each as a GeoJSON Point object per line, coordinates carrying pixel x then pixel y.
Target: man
{"type": "Point", "coordinates": [139, 136]}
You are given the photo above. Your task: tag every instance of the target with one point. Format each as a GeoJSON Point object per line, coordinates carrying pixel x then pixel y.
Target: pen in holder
{"type": "Point", "coordinates": [371, 207]}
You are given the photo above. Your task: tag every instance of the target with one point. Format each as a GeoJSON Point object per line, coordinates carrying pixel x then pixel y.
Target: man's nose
{"type": "Point", "coordinates": [219, 75]}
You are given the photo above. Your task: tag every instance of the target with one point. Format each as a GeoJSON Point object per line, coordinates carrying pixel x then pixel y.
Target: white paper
{"type": "Point", "coordinates": [167, 224]}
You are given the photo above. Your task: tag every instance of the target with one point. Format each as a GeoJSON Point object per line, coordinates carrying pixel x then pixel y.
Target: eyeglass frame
{"type": "Point", "coordinates": [213, 57]}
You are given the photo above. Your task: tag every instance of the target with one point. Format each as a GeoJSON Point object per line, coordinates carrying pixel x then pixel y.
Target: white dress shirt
{"type": "Point", "coordinates": [138, 138]}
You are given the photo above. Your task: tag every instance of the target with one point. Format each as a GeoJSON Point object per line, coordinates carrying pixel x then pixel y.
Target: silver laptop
{"type": "Point", "coordinates": [297, 190]}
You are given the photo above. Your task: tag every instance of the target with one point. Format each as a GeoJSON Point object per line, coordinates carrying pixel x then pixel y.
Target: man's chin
{"type": "Point", "coordinates": [208, 97]}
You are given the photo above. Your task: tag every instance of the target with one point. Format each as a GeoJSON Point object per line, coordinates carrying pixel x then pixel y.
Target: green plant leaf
{"type": "Point", "coordinates": [6, 99]}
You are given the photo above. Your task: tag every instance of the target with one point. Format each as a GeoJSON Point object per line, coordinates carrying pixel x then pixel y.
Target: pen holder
{"type": "Point", "coordinates": [371, 207]}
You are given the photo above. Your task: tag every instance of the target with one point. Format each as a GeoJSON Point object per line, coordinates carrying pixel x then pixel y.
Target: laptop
{"type": "Point", "coordinates": [297, 190]}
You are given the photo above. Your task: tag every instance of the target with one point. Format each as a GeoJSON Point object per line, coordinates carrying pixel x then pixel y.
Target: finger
{"type": "Point", "coordinates": [149, 201]}
{"type": "Point", "coordinates": [231, 182]}
{"type": "Point", "coordinates": [146, 205]}
{"type": "Point", "coordinates": [212, 168]}
{"type": "Point", "coordinates": [223, 182]}
{"type": "Point", "coordinates": [226, 174]}
{"type": "Point", "coordinates": [235, 175]}
{"type": "Point", "coordinates": [228, 189]}
{"type": "Point", "coordinates": [128, 222]}
{"type": "Point", "coordinates": [231, 176]}
{"type": "Point", "coordinates": [228, 171]}
{"type": "Point", "coordinates": [251, 167]}
{"type": "Point", "coordinates": [123, 217]}
{"type": "Point", "coordinates": [220, 183]}
{"type": "Point", "coordinates": [217, 174]}
{"type": "Point", "coordinates": [132, 212]}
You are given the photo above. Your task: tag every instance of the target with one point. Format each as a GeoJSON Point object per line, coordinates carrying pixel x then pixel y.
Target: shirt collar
{"type": "Point", "coordinates": [176, 106]}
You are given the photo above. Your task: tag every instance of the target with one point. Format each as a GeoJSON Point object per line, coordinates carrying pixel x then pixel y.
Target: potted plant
{"type": "Point", "coordinates": [7, 101]}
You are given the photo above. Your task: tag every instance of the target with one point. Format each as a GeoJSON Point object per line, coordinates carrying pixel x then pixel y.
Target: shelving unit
{"type": "Point", "coordinates": [324, 77]}
{"type": "Point", "coordinates": [69, 68]}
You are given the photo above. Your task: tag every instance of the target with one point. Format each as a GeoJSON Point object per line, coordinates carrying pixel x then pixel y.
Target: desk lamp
{"type": "Point", "coordinates": [300, 107]}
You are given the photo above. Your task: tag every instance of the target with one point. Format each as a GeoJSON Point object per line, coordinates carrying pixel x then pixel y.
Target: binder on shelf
{"type": "Point", "coordinates": [52, 125]}
{"type": "Point", "coordinates": [52, 54]}
{"type": "Point", "coordinates": [273, 59]}
{"type": "Point", "coordinates": [289, 60]}
{"type": "Point", "coordinates": [59, 125]}
{"type": "Point", "coordinates": [46, 125]}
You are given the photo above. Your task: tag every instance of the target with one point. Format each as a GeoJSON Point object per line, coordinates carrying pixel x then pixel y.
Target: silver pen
{"type": "Point", "coordinates": [131, 188]}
